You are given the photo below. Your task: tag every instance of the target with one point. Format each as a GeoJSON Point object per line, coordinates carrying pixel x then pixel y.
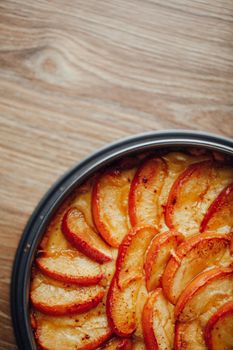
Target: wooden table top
{"type": "Point", "coordinates": [75, 75]}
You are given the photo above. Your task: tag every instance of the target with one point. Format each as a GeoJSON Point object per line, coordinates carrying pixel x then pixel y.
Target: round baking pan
{"type": "Point", "coordinates": [63, 187]}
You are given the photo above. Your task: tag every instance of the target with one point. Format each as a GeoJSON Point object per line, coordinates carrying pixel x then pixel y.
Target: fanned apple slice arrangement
{"type": "Point", "coordinates": [140, 257]}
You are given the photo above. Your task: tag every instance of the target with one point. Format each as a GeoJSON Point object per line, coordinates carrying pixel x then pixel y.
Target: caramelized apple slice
{"type": "Point", "coordinates": [219, 329]}
{"type": "Point", "coordinates": [54, 240]}
{"type": "Point", "coordinates": [56, 298]}
{"type": "Point", "coordinates": [119, 344]}
{"type": "Point", "coordinates": [158, 322]}
{"type": "Point", "coordinates": [110, 205]}
{"type": "Point", "coordinates": [83, 237]}
{"type": "Point", "coordinates": [157, 256]}
{"type": "Point", "coordinates": [122, 295]}
{"type": "Point", "coordinates": [71, 267]}
{"type": "Point", "coordinates": [130, 260]}
{"type": "Point", "coordinates": [207, 291]}
{"type": "Point", "coordinates": [192, 192]}
{"type": "Point", "coordinates": [124, 308]}
{"type": "Point", "coordinates": [144, 192]}
{"type": "Point", "coordinates": [189, 336]}
{"type": "Point", "coordinates": [176, 162]}
{"type": "Point", "coordinates": [86, 331]}
{"type": "Point", "coordinates": [193, 256]}
{"type": "Point", "coordinates": [219, 216]}
{"type": "Point", "coordinates": [121, 306]}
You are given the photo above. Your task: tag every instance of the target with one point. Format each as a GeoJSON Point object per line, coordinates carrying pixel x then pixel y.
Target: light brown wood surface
{"type": "Point", "coordinates": [75, 75]}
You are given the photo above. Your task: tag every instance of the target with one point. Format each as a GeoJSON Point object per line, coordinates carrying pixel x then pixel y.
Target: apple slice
{"type": "Point", "coordinates": [83, 237]}
{"type": "Point", "coordinates": [124, 308]}
{"type": "Point", "coordinates": [157, 256]}
{"type": "Point", "coordinates": [176, 162]}
{"type": "Point", "coordinates": [54, 240]}
{"type": "Point", "coordinates": [158, 322]}
{"type": "Point", "coordinates": [189, 336]}
{"type": "Point", "coordinates": [56, 298]}
{"type": "Point", "coordinates": [110, 205]}
{"type": "Point", "coordinates": [208, 290]}
{"type": "Point", "coordinates": [86, 331]}
{"type": "Point", "coordinates": [193, 256]}
{"type": "Point", "coordinates": [192, 192]}
{"type": "Point", "coordinates": [219, 329]}
{"type": "Point", "coordinates": [219, 216]}
{"type": "Point", "coordinates": [118, 344]}
{"type": "Point", "coordinates": [121, 306]}
{"type": "Point", "coordinates": [144, 192]}
{"type": "Point", "coordinates": [126, 283]}
{"type": "Point", "coordinates": [71, 267]}
{"type": "Point", "coordinates": [130, 260]}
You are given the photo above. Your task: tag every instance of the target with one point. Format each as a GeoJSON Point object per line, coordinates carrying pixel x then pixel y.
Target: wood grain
{"type": "Point", "coordinates": [75, 75]}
